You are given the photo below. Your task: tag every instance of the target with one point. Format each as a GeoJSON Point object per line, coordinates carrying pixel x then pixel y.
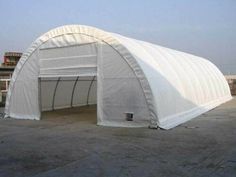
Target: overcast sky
{"type": "Point", "coordinates": [206, 28]}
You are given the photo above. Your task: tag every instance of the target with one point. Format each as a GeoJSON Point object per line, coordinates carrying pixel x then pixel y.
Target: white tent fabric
{"type": "Point", "coordinates": [80, 65]}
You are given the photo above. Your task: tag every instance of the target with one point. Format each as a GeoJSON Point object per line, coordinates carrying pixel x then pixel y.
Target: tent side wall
{"type": "Point", "coordinates": [197, 86]}
{"type": "Point", "coordinates": [184, 86]}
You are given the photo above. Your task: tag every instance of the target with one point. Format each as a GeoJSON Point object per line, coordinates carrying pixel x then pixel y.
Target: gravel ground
{"type": "Point", "coordinates": [69, 143]}
{"type": "Point", "coordinates": [1, 109]}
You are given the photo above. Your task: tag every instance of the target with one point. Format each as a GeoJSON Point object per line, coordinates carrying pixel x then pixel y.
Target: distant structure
{"type": "Point", "coordinates": [6, 69]}
{"type": "Point", "coordinates": [10, 61]}
{"type": "Point", "coordinates": [231, 79]}
{"type": "Point", "coordinates": [11, 58]}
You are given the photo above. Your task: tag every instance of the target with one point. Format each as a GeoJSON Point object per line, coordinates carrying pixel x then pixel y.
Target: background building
{"type": "Point", "coordinates": [11, 58]}
{"type": "Point", "coordinates": [6, 71]}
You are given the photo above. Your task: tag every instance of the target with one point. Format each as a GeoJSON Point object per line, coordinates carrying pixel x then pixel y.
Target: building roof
{"type": "Point", "coordinates": [12, 54]}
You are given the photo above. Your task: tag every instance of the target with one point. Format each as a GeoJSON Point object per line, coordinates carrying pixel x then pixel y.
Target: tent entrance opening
{"type": "Point", "coordinates": [68, 97]}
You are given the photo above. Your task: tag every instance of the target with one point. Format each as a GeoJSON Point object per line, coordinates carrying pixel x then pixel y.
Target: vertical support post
{"type": "Point", "coordinates": [39, 97]}
{"type": "Point", "coordinates": [99, 51]}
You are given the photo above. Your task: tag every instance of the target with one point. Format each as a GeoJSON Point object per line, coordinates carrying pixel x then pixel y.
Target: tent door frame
{"type": "Point", "coordinates": [76, 81]}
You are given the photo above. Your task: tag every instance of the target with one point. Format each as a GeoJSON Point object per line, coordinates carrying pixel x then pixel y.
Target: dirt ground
{"type": "Point", "coordinates": [69, 143]}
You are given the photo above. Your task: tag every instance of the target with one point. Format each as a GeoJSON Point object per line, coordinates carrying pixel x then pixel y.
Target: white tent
{"type": "Point", "coordinates": [80, 65]}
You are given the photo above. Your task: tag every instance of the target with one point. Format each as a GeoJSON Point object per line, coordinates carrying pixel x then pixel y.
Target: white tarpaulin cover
{"type": "Point", "coordinates": [80, 65]}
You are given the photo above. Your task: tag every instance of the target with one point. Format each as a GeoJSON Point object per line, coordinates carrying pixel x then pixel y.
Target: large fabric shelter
{"type": "Point", "coordinates": [79, 65]}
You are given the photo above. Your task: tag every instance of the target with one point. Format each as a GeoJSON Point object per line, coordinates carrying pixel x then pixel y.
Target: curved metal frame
{"type": "Point", "coordinates": [54, 94]}
{"type": "Point", "coordinates": [73, 91]}
{"type": "Point", "coordinates": [90, 86]}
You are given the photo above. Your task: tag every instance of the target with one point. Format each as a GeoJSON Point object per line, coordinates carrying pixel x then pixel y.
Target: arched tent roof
{"type": "Point", "coordinates": [176, 86]}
